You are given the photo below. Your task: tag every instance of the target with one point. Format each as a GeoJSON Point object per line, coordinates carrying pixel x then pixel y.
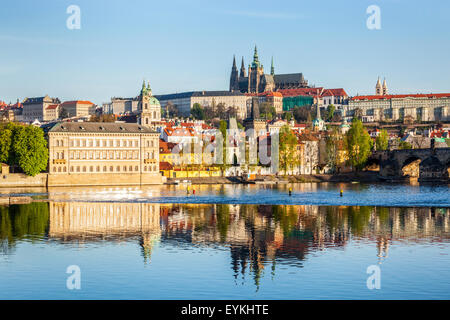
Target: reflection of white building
{"type": "Point", "coordinates": [80, 219]}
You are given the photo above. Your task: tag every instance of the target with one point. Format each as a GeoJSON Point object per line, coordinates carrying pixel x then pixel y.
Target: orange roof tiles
{"type": "Point", "coordinates": [77, 102]}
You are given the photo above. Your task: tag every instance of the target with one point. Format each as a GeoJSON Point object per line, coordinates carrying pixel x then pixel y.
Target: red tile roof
{"type": "Point", "coordinates": [334, 92]}
{"type": "Point", "coordinates": [77, 102]}
{"type": "Point", "coordinates": [166, 147]}
{"type": "Point", "coordinates": [301, 92]}
{"type": "Point", "coordinates": [52, 106]}
{"type": "Point", "coordinates": [165, 166]}
{"type": "Point", "coordinates": [179, 132]}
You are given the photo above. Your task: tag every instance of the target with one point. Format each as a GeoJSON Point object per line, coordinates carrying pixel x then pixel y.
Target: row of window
{"type": "Point", "coordinates": [111, 155]}
{"type": "Point", "coordinates": [103, 143]}
{"type": "Point", "coordinates": [104, 168]}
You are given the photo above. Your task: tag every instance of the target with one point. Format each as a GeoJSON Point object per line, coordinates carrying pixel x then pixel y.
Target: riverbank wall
{"type": "Point", "coordinates": [15, 180]}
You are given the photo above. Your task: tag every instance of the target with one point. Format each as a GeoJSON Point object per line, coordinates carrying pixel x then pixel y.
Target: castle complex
{"type": "Point", "coordinates": [257, 81]}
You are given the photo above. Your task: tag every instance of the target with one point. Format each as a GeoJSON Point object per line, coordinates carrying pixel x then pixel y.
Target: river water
{"type": "Point", "coordinates": [228, 242]}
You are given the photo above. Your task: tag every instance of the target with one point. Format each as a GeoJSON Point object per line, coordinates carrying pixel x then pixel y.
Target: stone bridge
{"type": "Point", "coordinates": [423, 164]}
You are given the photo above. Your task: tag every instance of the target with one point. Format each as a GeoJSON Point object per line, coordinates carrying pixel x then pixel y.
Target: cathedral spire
{"type": "Point", "coordinates": [242, 74]}
{"type": "Point", "coordinates": [385, 88]}
{"type": "Point", "coordinates": [378, 88]}
{"type": "Point", "coordinates": [272, 69]}
{"type": "Point", "coordinates": [149, 90]}
{"type": "Point", "coordinates": [255, 58]}
{"type": "Point", "coordinates": [234, 77]}
{"type": "Point", "coordinates": [144, 89]}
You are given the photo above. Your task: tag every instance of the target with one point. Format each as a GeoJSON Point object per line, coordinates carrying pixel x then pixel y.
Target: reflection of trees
{"type": "Point", "coordinates": [258, 236]}
{"type": "Point", "coordinates": [22, 221]}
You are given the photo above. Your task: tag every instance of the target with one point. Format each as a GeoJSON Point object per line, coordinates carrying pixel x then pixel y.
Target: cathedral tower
{"type": "Point", "coordinates": [243, 73]}
{"type": "Point", "coordinates": [234, 78]}
{"type": "Point", "coordinates": [255, 71]}
{"type": "Point", "coordinates": [385, 88]}
{"type": "Point", "coordinates": [378, 88]}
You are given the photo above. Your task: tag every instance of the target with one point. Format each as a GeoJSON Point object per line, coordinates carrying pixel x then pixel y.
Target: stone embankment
{"type": "Point", "coordinates": [317, 178]}
{"type": "Point", "coordinates": [15, 200]}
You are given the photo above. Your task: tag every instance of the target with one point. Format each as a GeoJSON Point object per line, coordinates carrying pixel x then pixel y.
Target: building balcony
{"type": "Point", "coordinates": [59, 161]}
{"type": "Point", "coordinates": [149, 161]}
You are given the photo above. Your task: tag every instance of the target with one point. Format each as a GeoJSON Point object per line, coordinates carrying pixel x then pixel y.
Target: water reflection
{"type": "Point", "coordinates": [257, 236]}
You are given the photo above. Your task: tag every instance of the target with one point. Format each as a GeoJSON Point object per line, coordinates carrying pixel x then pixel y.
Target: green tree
{"type": "Point", "coordinates": [332, 149]}
{"type": "Point", "coordinates": [198, 112]}
{"type": "Point", "coordinates": [30, 149]}
{"type": "Point", "coordinates": [403, 145]}
{"type": "Point", "coordinates": [5, 144]}
{"type": "Point", "coordinates": [288, 157]}
{"type": "Point", "coordinates": [287, 116]}
{"type": "Point", "coordinates": [358, 144]}
{"type": "Point", "coordinates": [330, 112]}
{"type": "Point", "coordinates": [63, 113]}
{"type": "Point", "coordinates": [382, 141]}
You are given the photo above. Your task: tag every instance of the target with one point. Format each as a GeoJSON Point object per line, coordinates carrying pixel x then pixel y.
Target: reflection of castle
{"type": "Point", "coordinates": [258, 236]}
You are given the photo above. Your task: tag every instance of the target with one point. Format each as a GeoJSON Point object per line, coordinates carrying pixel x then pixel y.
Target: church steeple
{"type": "Point", "coordinates": [272, 69]}
{"type": "Point", "coordinates": [385, 88]}
{"type": "Point", "coordinates": [255, 62]}
{"type": "Point", "coordinates": [234, 77]}
{"type": "Point", "coordinates": [378, 89]}
{"type": "Point", "coordinates": [144, 89]}
{"type": "Point", "coordinates": [243, 72]}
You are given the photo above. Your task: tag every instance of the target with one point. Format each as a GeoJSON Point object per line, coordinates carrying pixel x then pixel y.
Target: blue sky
{"type": "Point", "coordinates": [189, 45]}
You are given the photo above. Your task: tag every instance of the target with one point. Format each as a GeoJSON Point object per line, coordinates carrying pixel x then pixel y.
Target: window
{"type": "Point", "coordinates": [71, 169]}
{"type": "Point", "coordinates": [124, 168]}
{"type": "Point", "coordinates": [118, 169]}
{"type": "Point", "coordinates": [78, 168]}
{"type": "Point", "coordinates": [130, 168]}
{"type": "Point", "coordinates": [136, 168]}
{"type": "Point", "coordinates": [98, 169]}
{"type": "Point", "coordinates": [91, 169]}
{"type": "Point", "coordinates": [104, 168]}
{"type": "Point", "coordinates": [111, 168]}
{"type": "Point", "coordinates": [84, 168]}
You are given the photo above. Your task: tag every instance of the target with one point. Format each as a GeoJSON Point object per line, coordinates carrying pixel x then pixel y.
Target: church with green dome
{"type": "Point", "coordinates": [149, 107]}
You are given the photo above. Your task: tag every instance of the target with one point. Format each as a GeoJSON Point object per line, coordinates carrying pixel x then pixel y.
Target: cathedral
{"type": "Point", "coordinates": [257, 81]}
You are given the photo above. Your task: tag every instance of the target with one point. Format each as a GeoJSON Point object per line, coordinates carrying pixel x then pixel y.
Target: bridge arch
{"type": "Point", "coordinates": [431, 168]}
{"type": "Point", "coordinates": [411, 167]}
{"type": "Point", "coordinates": [372, 164]}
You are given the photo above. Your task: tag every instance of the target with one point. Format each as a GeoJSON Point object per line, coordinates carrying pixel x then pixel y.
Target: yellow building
{"type": "Point", "coordinates": [175, 164]}
{"type": "Point", "coordinates": [102, 153]}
